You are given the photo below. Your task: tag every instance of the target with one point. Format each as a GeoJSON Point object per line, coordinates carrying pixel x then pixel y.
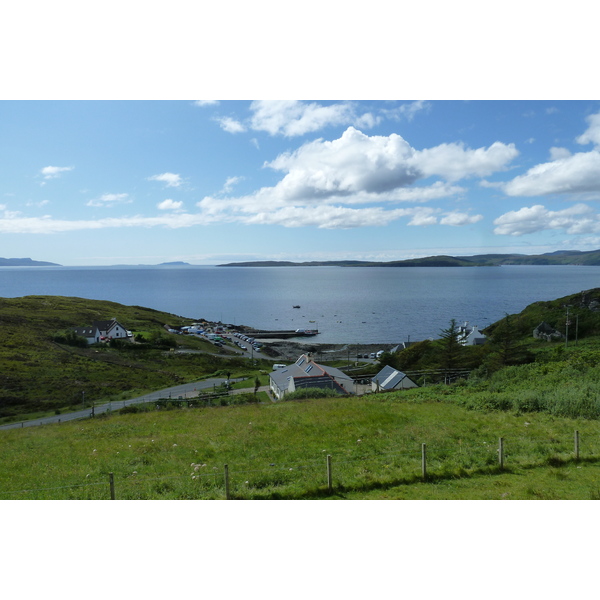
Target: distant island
{"type": "Point", "coordinates": [561, 257]}
{"type": "Point", "coordinates": [25, 262]}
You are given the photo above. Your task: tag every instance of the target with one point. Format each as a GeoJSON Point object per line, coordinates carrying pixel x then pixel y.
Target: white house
{"type": "Point", "coordinates": [471, 336]}
{"type": "Point", "coordinates": [102, 330]}
{"type": "Point", "coordinates": [306, 373]}
{"type": "Point", "coordinates": [391, 379]}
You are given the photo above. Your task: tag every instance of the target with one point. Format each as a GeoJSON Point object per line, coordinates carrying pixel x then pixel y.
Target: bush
{"type": "Point", "coordinates": [305, 393]}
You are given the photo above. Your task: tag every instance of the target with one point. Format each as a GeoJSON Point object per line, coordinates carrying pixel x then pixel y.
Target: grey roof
{"type": "Point", "coordinates": [306, 369]}
{"type": "Point", "coordinates": [388, 378]}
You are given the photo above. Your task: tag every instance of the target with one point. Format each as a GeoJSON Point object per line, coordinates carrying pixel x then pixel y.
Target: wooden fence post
{"type": "Point", "coordinates": [424, 461]}
{"type": "Point", "coordinates": [111, 480]}
{"type": "Point", "coordinates": [501, 452]}
{"type": "Point", "coordinates": [576, 445]}
{"type": "Point", "coordinates": [227, 496]}
{"type": "Point", "coordinates": [329, 475]}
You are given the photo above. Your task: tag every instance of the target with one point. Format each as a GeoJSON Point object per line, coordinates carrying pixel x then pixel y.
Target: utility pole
{"type": "Point", "coordinates": [567, 330]}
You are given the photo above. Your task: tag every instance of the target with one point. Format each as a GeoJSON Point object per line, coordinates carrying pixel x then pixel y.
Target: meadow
{"type": "Point", "coordinates": [279, 451]}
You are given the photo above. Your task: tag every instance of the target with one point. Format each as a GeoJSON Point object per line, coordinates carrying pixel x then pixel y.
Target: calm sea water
{"type": "Point", "coordinates": [347, 305]}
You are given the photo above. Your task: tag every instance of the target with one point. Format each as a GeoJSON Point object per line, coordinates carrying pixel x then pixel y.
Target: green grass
{"type": "Point", "coordinates": [279, 451]}
{"type": "Point", "coordinates": [39, 376]}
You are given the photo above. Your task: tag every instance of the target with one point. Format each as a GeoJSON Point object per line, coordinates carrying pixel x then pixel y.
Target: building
{"type": "Point", "coordinates": [305, 373]}
{"type": "Point", "coordinates": [391, 379]}
{"type": "Point", "coordinates": [471, 336]}
{"type": "Point", "coordinates": [101, 331]}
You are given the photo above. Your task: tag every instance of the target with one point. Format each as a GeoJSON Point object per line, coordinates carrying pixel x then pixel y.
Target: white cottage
{"type": "Point", "coordinates": [103, 330]}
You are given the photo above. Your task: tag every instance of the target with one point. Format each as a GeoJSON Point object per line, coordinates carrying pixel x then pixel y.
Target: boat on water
{"type": "Point", "coordinates": [296, 306]}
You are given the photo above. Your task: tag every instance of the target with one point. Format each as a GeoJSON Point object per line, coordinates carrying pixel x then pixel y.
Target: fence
{"type": "Point", "coordinates": [330, 473]}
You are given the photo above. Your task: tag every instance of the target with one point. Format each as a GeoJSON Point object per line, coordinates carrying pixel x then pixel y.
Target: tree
{"type": "Point", "coordinates": [450, 346]}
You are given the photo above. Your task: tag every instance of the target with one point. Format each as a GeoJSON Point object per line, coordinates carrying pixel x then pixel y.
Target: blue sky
{"type": "Point", "coordinates": [144, 182]}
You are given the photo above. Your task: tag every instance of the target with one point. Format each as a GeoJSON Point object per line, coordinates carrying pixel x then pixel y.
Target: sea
{"type": "Point", "coordinates": [347, 305]}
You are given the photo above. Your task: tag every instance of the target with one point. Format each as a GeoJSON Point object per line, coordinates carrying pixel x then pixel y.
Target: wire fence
{"type": "Point", "coordinates": [322, 476]}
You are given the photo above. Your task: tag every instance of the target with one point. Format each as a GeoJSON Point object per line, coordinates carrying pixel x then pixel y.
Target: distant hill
{"type": "Point", "coordinates": [25, 262]}
{"type": "Point", "coordinates": [561, 257]}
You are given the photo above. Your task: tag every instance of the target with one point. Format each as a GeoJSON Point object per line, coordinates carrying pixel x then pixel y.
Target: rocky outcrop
{"type": "Point", "coordinates": [546, 332]}
{"type": "Point", "coordinates": [590, 299]}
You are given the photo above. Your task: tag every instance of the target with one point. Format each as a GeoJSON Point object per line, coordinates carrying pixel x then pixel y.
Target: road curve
{"type": "Point", "coordinates": [185, 390]}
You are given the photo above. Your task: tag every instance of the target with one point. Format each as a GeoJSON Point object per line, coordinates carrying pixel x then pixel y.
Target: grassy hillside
{"type": "Point", "coordinates": [40, 375]}
{"type": "Point", "coordinates": [279, 451]}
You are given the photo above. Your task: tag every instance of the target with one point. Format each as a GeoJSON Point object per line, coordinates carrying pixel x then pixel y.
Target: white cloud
{"type": "Point", "coordinates": [592, 133]}
{"type": "Point", "coordinates": [330, 179]}
{"type": "Point", "coordinates": [407, 111]}
{"type": "Point", "coordinates": [578, 173]}
{"type": "Point", "coordinates": [292, 117]}
{"type": "Point", "coordinates": [170, 179]}
{"type": "Point", "coordinates": [575, 220]}
{"type": "Point", "coordinates": [206, 103]}
{"type": "Point", "coordinates": [54, 172]}
{"type": "Point", "coordinates": [110, 200]}
{"type": "Point", "coordinates": [559, 153]}
{"type": "Point", "coordinates": [458, 219]}
{"type": "Point", "coordinates": [231, 125]}
{"type": "Point", "coordinates": [12, 223]}
{"type": "Point", "coordinates": [229, 183]}
{"type": "Point", "coordinates": [170, 205]}
{"type": "Point", "coordinates": [339, 217]}
{"type": "Point", "coordinates": [454, 161]}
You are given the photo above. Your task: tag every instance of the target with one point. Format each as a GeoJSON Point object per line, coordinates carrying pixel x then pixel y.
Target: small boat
{"type": "Point", "coordinates": [296, 306]}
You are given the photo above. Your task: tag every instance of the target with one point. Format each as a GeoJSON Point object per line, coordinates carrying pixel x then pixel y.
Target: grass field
{"type": "Point", "coordinates": [278, 451]}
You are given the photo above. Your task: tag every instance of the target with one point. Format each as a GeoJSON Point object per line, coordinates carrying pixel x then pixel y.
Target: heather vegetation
{"type": "Point", "coordinates": [46, 367]}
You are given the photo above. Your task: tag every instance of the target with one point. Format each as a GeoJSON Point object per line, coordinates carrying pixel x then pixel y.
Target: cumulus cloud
{"type": "Point", "coordinates": [292, 117]}
{"type": "Point", "coordinates": [357, 169]}
{"type": "Point", "coordinates": [577, 173]}
{"type": "Point", "coordinates": [592, 134]}
{"type": "Point", "coordinates": [565, 173]}
{"type": "Point", "coordinates": [459, 219]}
{"type": "Point", "coordinates": [454, 161]}
{"type": "Point", "coordinates": [170, 179]}
{"type": "Point", "coordinates": [54, 172]}
{"type": "Point", "coordinates": [110, 200]}
{"type": "Point", "coordinates": [231, 125]}
{"type": "Point", "coordinates": [170, 205]}
{"type": "Point", "coordinates": [206, 103]}
{"type": "Point", "coordinates": [577, 219]}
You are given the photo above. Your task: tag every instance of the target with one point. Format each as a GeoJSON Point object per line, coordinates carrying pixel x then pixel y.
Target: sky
{"type": "Point", "coordinates": [86, 182]}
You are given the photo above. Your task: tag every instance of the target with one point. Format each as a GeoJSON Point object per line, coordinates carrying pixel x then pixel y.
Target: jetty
{"type": "Point", "coordinates": [261, 334]}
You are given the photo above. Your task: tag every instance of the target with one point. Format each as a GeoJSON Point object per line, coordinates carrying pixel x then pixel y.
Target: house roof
{"type": "Point", "coordinates": [388, 378]}
{"type": "Point", "coordinates": [305, 369]}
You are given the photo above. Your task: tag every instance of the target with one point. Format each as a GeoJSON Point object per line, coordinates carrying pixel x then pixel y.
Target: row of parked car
{"type": "Point", "coordinates": [248, 339]}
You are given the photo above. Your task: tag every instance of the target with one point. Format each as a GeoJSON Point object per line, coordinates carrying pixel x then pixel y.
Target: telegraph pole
{"type": "Point", "coordinates": [567, 330]}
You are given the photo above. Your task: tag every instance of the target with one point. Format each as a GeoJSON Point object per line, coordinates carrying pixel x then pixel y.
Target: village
{"type": "Point", "coordinates": [301, 370]}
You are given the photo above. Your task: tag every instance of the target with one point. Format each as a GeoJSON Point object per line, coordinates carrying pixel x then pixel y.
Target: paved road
{"type": "Point", "coordinates": [185, 390]}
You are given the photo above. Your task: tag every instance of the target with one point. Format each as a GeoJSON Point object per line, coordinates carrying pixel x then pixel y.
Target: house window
{"type": "Point", "coordinates": [308, 368]}
{"type": "Point", "coordinates": [300, 361]}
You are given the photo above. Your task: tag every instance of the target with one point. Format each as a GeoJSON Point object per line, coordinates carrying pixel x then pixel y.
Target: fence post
{"type": "Point", "coordinates": [227, 496]}
{"type": "Point", "coordinates": [576, 445]}
{"type": "Point", "coordinates": [501, 452]}
{"type": "Point", "coordinates": [329, 475]}
{"type": "Point", "coordinates": [111, 480]}
{"type": "Point", "coordinates": [424, 461]}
